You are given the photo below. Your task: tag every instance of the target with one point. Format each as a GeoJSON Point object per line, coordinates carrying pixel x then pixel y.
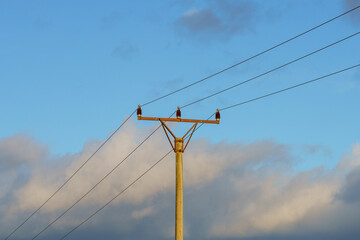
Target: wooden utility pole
{"type": "Point", "coordinates": [178, 148]}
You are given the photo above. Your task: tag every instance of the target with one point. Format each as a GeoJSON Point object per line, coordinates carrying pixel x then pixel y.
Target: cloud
{"type": "Point", "coordinates": [124, 51]}
{"type": "Point", "coordinates": [231, 190]}
{"type": "Point", "coordinates": [272, 208]}
{"type": "Point", "coordinates": [221, 18]}
{"type": "Point", "coordinates": [20, 150]}
{"type": "Point", "coordinates": [200, 20]}
{"type": "Point", "coordinates": [138, 214]}
{"type": "Point", "coordinates": [350, 191]}
{"type": "Point", "coordinates": [355, 15]}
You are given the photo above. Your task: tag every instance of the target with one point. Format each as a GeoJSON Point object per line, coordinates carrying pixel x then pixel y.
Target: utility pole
{"type": "Point", "coordinates": [179, 148]}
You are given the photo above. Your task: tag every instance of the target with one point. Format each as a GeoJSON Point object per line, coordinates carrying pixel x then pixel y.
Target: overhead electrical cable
{"type": "Point", "coordinates": [100, 181]}
{"type": "Point", "coordinates": [83, 196]}
{"type": "Point", "coordinates": [171, 93]}
{"type": "Point", "coordinates": [288, 88]}
{"type": "Point", "coordinates": [270, 71]}
{"type": "Point", "coordinates": [222, 109]}
{"type": "Point", "coordinates": [69, 178]}
{"type": "Point", "coordinates": [250, 58]}
{"type": "Point", "coordinates": [199, 100]}
{"type": "Point", "coordinates": [116, 196]}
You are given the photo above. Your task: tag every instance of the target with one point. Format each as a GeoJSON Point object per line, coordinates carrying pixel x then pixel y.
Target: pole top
{"type": "Point", "coordinates": [178, 117]}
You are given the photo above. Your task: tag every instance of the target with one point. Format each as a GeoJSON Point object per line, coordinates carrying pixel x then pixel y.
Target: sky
{"type": "Point", "coordinates": [282, 167]}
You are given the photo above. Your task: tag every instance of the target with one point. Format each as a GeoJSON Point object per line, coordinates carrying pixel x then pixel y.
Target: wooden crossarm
{"type": "Point", "coordinates": [178, 120]}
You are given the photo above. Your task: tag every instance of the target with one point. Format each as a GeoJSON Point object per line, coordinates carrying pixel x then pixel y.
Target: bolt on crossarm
{"type": "Point", "coordinates": [179, 148]}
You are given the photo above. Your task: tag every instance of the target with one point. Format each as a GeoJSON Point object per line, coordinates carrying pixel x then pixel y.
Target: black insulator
{"type": "Point", "coordinates": [217, 115]}
{"type": "Point", "coordinates": [139, 112]}
{"type": "Point", "coordinates": [178, 113]}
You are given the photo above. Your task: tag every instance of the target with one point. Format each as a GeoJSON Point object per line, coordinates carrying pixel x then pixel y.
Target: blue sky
{"type": "Point", "coordinates": [72, 71]}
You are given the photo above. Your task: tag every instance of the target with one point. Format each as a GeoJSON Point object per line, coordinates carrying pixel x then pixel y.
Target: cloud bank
{"type": "Point", "coordinates": [232, 191]}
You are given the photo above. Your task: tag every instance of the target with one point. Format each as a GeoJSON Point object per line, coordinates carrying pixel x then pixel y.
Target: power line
{"type": "Point", "coordinates": [199, 100]}
{"type": "Point", "coordinates": [171, 93]}
{"type": "Point", "coordinates": [112, 170]}
{"type": "Point", "coordinates": [77, 170]}
{"type": "Point", "coordinates": [288, 88]}
{"type": "Point", "coordinates": [270, 71]}
{"type": "Point", "coordinates": [222, 109]}
{"type": "Point", "coordinates": [116, 196]}
{"type": "Point", "coordinates": [108, 174]}
{"type": "Point", "coordinates": [250, 58]}
{"type": "Point", "coordinates": [132, 183]}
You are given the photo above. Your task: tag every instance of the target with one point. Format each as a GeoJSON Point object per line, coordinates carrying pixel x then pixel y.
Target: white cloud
{"type": "Point", "coordinates": [20, 150]}
{"type": "Point", "coordinates": [138, 214]}
{"type": "Point", "coordinates": [231, 190]}
{"type": "Point", "coordinates": [276, 208]}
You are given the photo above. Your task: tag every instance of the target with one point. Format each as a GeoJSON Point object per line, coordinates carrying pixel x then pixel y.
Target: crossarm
{"type": "Point", "coordinates": [178, 120]}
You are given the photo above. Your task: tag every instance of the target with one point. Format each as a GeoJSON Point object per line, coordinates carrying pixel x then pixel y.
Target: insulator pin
{"type": "Point", "coordinates": [139, 112]}
{"type": "Point", "coordinates": [217, 115]}
{"type": "Point", "coordinates": [178, 113]}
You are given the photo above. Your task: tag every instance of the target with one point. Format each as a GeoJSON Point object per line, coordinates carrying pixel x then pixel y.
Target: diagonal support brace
{"type": "Point", "coordinates": [167, 129]}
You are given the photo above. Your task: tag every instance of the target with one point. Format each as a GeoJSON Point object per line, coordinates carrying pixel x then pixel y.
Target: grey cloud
{"type": "Point", "coordinates": [355, 15]}
{"type": "Point", "coordinates": [350, 192]}
{"type": "Point", "coordinates": [312, 149]}
{"type": "Point", "coordinates": [238, 16]}
{"type": "Point", "coordinates": [222, 18]}
{"type": "Point", "coordinates": [352, 3]}
{"type": "Point", "coordinates": [124, 51]}
{"type": "Point", "coordinates": [20, 149]}
{"type": "Point", "coordinates": [200, 20]}
{"type": "Point", "coordinates": [316, 149]}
